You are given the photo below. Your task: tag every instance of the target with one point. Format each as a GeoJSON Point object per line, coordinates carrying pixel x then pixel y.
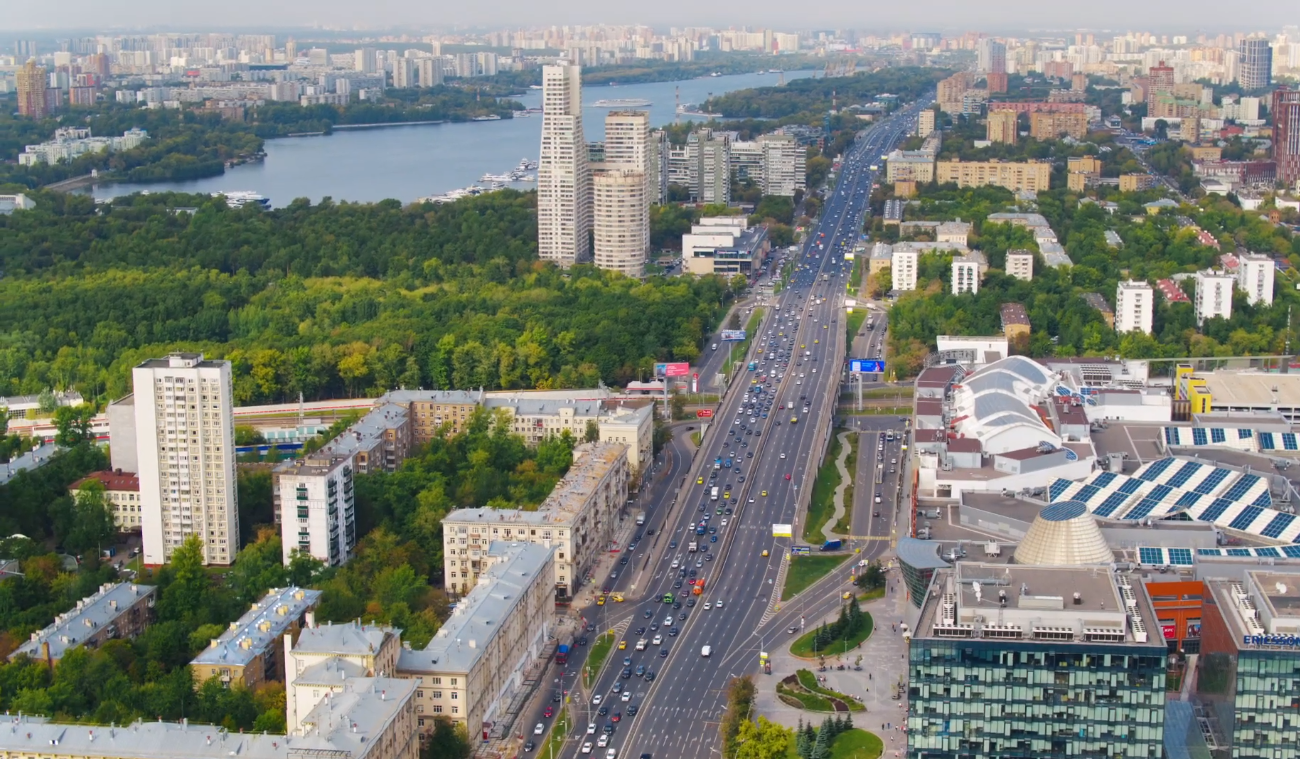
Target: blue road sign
{"type": "Point", "coordinates": [866, 366]}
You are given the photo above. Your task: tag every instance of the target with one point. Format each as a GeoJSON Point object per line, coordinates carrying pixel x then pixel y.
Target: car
{"type": "Point", "coordinates": [617, 687]}
{"type": "Point", "coordinates": [709, 604]}
{"type": "Point", "coordinates": [591, 728]}
{"type": "Point", "coordinates": [663, 653]}
{"type": "Point", "coordinates": [677, 585]}
{"type": "Point", "coordinates": [582, 641]}
{"type": "Point", "coordinates": [787, 476]}
{"type": "Point", "coordinates": [539, 728]}
{"type": "Point", "coordinates": [611, 754]}
{"type": "Point", "coordinates": [529, 746]}
{"type": "Point", "coordinates": [596, 699]}
{"type": "Point", "coordinates": [617, 717]}
{"type": "Point", "coordinates": [548, 713]}
{"type": "Point", "coordinates": [650, 675]}
{"type": "Point", "coordinates": [603, 740]}
{"type": "Point", "coordinates": [654, 626]}
{"type": "Point", "coordinates": [602, 711]}
{"type": "Point", "coordinates": [672, 632]}
{"type": "Point", "coordinates": [717, 604]}
{"type": "Point", "coordinates": [709, 557]}
{"type": "Point", "coordinates": [640, 630]}
{"type": "Point", "coordinates": [591, 628]}
{"type": "Point", "coordinates": [631, 710]}
{"type": "Point", "coordinates": [586, 747]}
{"type": "Point", "coordinates": [691, 601]}
{"type": "Point", "coordinates": [658, 639]}
{"type": "Point", "coordinates": [627, 696]}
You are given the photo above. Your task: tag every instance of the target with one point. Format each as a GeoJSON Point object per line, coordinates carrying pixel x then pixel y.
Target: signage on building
{"type": "Point", "coordinates": [732, 335]}
{"type": "Point", "coordinates": [1170, 631]}
{"type": "Point", "coordinates": [680, 369]}
{"type": "Point", "coordinates": [866, 366]}
{"type": "Point", "coordinates": [1286, 641]}
{"type": "Point", "coordinates": [704, 413]}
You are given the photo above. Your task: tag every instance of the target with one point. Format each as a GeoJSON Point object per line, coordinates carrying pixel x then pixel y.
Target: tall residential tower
{"type": "Point", "coordinates": [563, 175]}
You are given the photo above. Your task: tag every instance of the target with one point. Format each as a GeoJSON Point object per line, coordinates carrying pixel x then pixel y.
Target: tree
{"type": "Point", "coordinates": [85, 525]}
{"type": "Point", "coordinates": [872, 577]}
{"type": "Point", "coordinates": [187, 588]}
{"type": "Point", "coordinates": [678, 404]}
{"type": "Point", "coordinates": [448, 741]}
{"type": "Point", "coordinates": [592, 433]}
{"type": "Point", "coordinates": [762, 740]}
{"type": "Point", "coordinates": [73, 424]}
{"type": "Point", "coordinates": [822, 745]}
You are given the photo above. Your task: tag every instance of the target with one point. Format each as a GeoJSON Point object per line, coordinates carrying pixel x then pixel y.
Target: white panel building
{"type": "Point", "coordinates": [903, 269]}
{"type": "Point", "coordinates": [185, 450]}
{"type": "Point", "coordinates": [1255, 273]}
{"type": "Point", "coordinates": [317, 510]}
{"type": "Point", "coordinates": [1133, 307]}
{"type": "Point", "coordinates": [1213, 294]}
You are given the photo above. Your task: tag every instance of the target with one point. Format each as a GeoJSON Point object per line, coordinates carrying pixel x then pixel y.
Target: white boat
{"type": "Point", "coordinates": [621, 103]}
{"type": "Point", "coordinates": [494, 178]}
{"type": "Point", "coordinates": [492, 117]}
{"type": "Point", "coordinates": [241, 198]}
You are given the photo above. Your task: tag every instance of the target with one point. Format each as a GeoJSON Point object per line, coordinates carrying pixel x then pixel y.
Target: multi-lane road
{"type": "Point", "coordinates": [774, 439]}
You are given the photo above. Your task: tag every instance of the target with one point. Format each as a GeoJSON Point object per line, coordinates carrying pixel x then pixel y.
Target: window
{"type": "Point", "coordinates": [455, 695]}
{"type": "Point", "coordinates": [437, 694]}
{"type": "Point", "coordinates": [455, 710]}
{"type": "Point", "coordinates": [437, 709]}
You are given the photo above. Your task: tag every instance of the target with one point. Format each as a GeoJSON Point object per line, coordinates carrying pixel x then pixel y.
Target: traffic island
{"type": "Point", "coordinates": [555, 739]}
{"type": "Point", "coordinates": [803, 571]}
{"type": "Point", "coordinates": [802, 691]}
{"type": "Point", "coordinates": [837, 638]}
{"type": "Point", "coordinates": [596, 659]}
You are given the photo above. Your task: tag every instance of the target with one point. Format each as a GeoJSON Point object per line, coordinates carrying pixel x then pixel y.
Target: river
{"type": "Point", "coordinates": [409, 162]}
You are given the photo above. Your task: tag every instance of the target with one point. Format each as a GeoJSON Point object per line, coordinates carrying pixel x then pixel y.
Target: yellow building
{"type": "Point", "coordinates": [121, 492]}
{"type": "Point", "coordinates": [250, 652]}
{"type": "Point", "coordinates": [1189, 387]}
{"type": "Point", "coordinates": [1050, 126]}
{"type": "Point", "coordinates": [1029, 175]}
{"type": "Point", "coordinates": [1003, 126]}
{"type": "Point", "coordinates": [950, 91]}
{"type": "Point", "coordinates": [429, 411]}
{"type": "Point", "coordinates": [1084, 165]}
{"type": "Point", "coordinates": [1015, 321]}
{"type": "Point", "coordinates": [1206, 152]}
{"type": "Point", "coordinates": [1136, 182]}
{"type": "Point", "coordinates": [904, 188]}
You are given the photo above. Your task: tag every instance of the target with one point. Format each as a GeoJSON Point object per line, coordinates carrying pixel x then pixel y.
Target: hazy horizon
{"type": "Point", "coordinates": [335, 16]}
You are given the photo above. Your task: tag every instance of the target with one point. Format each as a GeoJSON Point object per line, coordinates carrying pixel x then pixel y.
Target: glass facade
{"type": "Point", "coordinates": [1002, 699]}
{"type": "Point", "coordinates": [1257, 697]}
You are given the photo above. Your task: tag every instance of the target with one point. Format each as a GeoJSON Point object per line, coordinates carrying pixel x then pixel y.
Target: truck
{"type": "Point", "coordinates": [713, 493]}
{"type": "Point", "coordinates": [692, 547]}
{"type": "Point", "coordinates": [699, 587]}
{"type": "Point", "coordinates": [717, 463]}
{"type": "Point", "coordinates": [562, 653]}
{"type": "Point", "coordinates": [832, 545]}
{"type": "Point", "coordinates": [640, 518]}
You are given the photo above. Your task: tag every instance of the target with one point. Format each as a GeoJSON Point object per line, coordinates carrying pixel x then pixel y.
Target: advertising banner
{"type": "Point", "coordinates": [672, 370]}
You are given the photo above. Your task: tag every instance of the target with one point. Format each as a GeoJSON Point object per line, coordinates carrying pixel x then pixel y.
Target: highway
{"type": "Point", "coordinates": [774, 459]}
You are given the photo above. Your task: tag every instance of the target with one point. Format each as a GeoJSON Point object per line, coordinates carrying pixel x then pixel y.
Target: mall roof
{"type": "Point", "coordinates": [1064, 534]}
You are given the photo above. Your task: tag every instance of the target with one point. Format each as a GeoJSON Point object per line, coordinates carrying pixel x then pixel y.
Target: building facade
{"type": "Point", "coordinates": [1003, 126]}
{"type": "Point", "coordinates": [629, 145]}
{"type": "Point", "coordinates": [324, 658]}
{"type": "Point", "coordinates": [1286, 134]}
{"type": "Point", "coordinates": [1255, 272]}
{"type": "Point", "coordinates": [121, 610]}
{"type": "Point", "coordinates": [1255, 64]}
{"type": "Point", "coordinates": [924, 123]}
{"type": "Point", "coordinates": [1213, 294]}
{"type": "Point", "coordinates": [1134, 302]}
{"type": "Point", "coordinates": [1050, 126]}
{"type": "Point", "coordinates": [1020, 264]}
{"type": "Point", "coordinates": [966, 274]}
{"type": "Point", "coordinates": [317, 507]}
{"type": "Point", "coordinates": [1015, 176]}
{"type": "Point", "coordinates": [563, 174]}
{"type": "Point", "coordinates": [620, 220]}
{"type": "Point", "coordinates": [32, 81]}
{"type": "Point", "coordinates": [903, 269]}
{"type": "Point", "coordinates": [185, 450]}
{"type": "Point", "coordinates": [1005, 662]}
{"type": "Point", "coordinates": [121, 493]}
{"type": "Point", "coordinates": [578, 520]}
{"type": "Point", "coordinates": [251, 651]}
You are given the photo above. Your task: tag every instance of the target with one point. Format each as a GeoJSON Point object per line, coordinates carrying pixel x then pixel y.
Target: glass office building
{"type": "Point", "coordinates": [1012, 661]}
{"type": "Point", "coordinates": [917, 561]}
{"type": "Point", "coordinates": [1248, 673]}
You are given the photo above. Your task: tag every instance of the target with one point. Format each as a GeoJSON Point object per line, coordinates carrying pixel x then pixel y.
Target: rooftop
{"type": "Point", "coordinates": [1172, 292]}
{"type": "Point", "coordinates": [349, 639]}
{"type": "Point", "coordinates": [182, 361]}
{"type": "Point", "coordinates": [938, 375]}
{"type": "Point", "coordinates": [464, 637]}
{"type": "Point", "coordinates": [112, 480]}
{"type": "Point", "coordinates": [367, 431]}
{"type": "Point", "coordinates": [1098, 302]}
{"type": "Point", "coordinates": [590, 465]}
{"type": "Point", "coordinates": [1230, 389]}
{"type": "Point", "coordinates": [1014, 313]}
{"type": "Point", "coordinates": [259, 628]}
{"type": "Point", "coordinates": [90, 614]}
{"type": "Point", "coordinates": [405, 397]}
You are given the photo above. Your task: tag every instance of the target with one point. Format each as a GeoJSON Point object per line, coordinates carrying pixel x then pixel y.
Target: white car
{"type": "Point", "coordinates": [591, 728]}
{"type": "Point", "coordinates": [724, 521]}
{"type": "Point", "coordinates": [603, 740]}
{"type": "Point", "coordinates": [611, 754]}
{"type": "Point", "coordinates": [595, 700]}
{"type": "Point", "coordinates": [708, 605]}
{"type": "Point", "coordinates": [586, 747]}
{"type": "Point", "coordinates": [627, 696]}
{"type": "Point", "coordinates": [658, 641]}
{"type": "Point", "coordinates": [783, 455]}
{"type": "Point", "coordinates": [717, 604]}
{"type": "Point", "coordinates": [539, 729]}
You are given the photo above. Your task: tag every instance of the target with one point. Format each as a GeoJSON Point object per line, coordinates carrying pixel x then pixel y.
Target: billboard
{"type": "Point", "coordinates": [800, 550]}
{"type": "Point", "coordinates": [866, 366]}
{"type": "Point", "coordinates": [680, 369]}
{"type": "Point", "coordinates": [782, 531]}
{"type": "Point", "coordinates": [704, 413]}
{"type": "Point", "coordinates": [732, 335]}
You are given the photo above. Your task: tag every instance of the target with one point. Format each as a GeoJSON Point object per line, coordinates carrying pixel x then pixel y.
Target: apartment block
{"type": "Point", "coordinates": [32, 81]}
{"type": "Point", "coordinates": [1050, 126]}
{"type": "Point", "coordinates": [1020, 264]}
{"type": "Point", "coordinates": [121, 493]}
{"type": "Point", "coordinates": [1098, 303]}
{"type": "Point", "coordinates": [1286, 134]}
{"type": "Point", "coordinates": [578, 520]}
{"type": "Point", "coordinates": [1083, 165]}
{"type": "Point", "coordinates": [1136, 182]}
{"type": "Point", "coordinates": [1003, 127]}
{"type": "Point", "coordinates": [250, 651]}
{"type": "Point", "coordinates": [967, 271]}
{"type": "Point", "coordinates": [903, 268]}
{"type": "Point", "coordinates": [620, 220]}
{"type": "Point", "coordinates": [479, 660]}
{"type": "Point", "coordinates": [1134, 304]}
{"type": "Point", "coordinates": [1015, 176]}
{"type": "Point", "coordinates": [1255, 63]}
{"type": "Point", "coordinates": [325, 658]}
{"type": "Point", "coordinates": [563, 174]}
{"type": "Point", "coordinates": [121, 610]}
{"type": "Point", "coordinates": [1015, 321]}
{"type": "Point", "coordinates": [1255, 272]}
{"type": "Point", "coordinates": [925, 123]}
{"type": "Point", "coordinates": [372, 718]}
{"type": "Point", "coordinates": [185, 449]}
{"type": "Point", "coordinates": [1213, 294]}
{"type": "Point", "coordinates": [317, 507]}
{"type": "Point", "coordinates": [910, 166]}
{"type": "Point", "coordinates": [431, 410]}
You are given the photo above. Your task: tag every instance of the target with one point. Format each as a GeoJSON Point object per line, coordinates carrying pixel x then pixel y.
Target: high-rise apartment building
{"type": "Point", "coordinates": [1050, 126]}
{"type": "Point", "coordinates": [563, 174]}
{"type": "Point", "coordinates": [32, 82]}
{"type": "Point", "coordinates": [628, 148]}
{"type": "Point", "coordinates": [924, 123]}
{"type": "Point", "coordinates": [429, 71]}
{"type": "Point", "coordinates": [902, 269]}
{"type": "Point", "coordinates": [317, 507]}
{"type": "Point", "coordinates": [1255, 276]}
{"type": "Point", "coordinates": [1002, 126]}
{"type": "Point", "coordinates": [1286, 134]}
{"type": "Point", "coordinates": [404, 73]}
{"type": "Point", "coordinates": [185, 450]}
{"type": "Point", "coordinates": [1133, 304]}
{"type": "Point", "coordinates": [1255, 64]}
{"type": "Point", "coordinates": [1213, 294]}
{"type": "Point", "coordinates": [364, 60]}
{"type": "Point", "coordinates": [966, 273]}
{"type": "Point", "coordinates": [620, 220]}
{"type": "Point", "coordinates": [991, 57]}
{"type": "Point", "coordinates": [710, 156]}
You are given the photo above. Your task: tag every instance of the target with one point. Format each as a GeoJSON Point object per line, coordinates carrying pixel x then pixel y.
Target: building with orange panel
{"type": "Point", "coordinates": [1178, 613]}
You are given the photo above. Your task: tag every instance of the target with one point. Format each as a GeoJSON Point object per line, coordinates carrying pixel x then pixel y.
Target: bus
{"type": "Point", "coordinates": [753, 366]}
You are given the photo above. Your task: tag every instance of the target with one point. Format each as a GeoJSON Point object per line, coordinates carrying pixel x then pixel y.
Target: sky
{"type": "Point", "coordinates": [934, 15]}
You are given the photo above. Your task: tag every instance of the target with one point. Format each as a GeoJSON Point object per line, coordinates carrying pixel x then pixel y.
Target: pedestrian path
{"type": "Point", "coordinates": [828, 529]}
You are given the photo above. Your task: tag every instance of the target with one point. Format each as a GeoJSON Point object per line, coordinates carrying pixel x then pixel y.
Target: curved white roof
{"type": "Point", "coordinates": [999, 398]}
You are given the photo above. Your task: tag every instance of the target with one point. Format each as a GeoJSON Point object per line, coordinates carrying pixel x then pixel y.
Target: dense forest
{"type": "Point", "coordinates": [1154, 247]}
{"type": "Point", "coordinates": [327, 300]}
{"type": "Point", "coordinates": [814, 96]}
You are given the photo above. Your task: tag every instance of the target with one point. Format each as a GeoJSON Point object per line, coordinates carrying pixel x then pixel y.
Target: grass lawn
{"type": "Point", "coordinates": [805, 570]}
{"type": "Point", "coordinates": [821, 506]}
{"type": "Point", "coordinates": [857, 744]}
{"type": "Point", "coordinates": [554, 745]}
{"type": "Point", "coordinates": [845, 525]}
{"type": "Point", "coordinates": [695, 438]}
{"type": "Point", "coordinates": [853, 323]}
{"type": "Point", "coordinates": [877, 411]}
{"type": "Point", "coordinates": [596, 659]}
{"type": "Point", "coordinates": [742, 348]}
{"type": "Point", "coordinates": [802, 647]}
{"type": "Point", "coordinates": [809, 681]}
{"type": "Point", "coordinates": [871, 595]}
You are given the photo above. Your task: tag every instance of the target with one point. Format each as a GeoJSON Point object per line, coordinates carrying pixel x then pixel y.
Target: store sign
{"type": "Point", "coordinates": [1170, 631]}
{"type": "Point", "coordinates": [1286, 641]}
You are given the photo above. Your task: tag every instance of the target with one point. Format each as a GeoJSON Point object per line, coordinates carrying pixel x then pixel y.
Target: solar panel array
{"type": "Point", "coordinates": [1223, 437]}
{"type": "Point", "coordinates": [1160, 557]}
{"type": "Point", "coordinates": [1206, 493]}
{"type": "Point", "coordinates": [1266, 552]}
{"type": "Point", "coordinates": [1272, 441]}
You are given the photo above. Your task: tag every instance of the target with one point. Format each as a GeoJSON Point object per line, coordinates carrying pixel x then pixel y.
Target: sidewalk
{"type": "Point", "coordinates": [884, 654]}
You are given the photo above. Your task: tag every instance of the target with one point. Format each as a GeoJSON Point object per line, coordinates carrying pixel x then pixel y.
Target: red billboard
{"type": "Point", "coordinates": [704, 413]}
{"type": "Point", "coordinates": [680, 369]}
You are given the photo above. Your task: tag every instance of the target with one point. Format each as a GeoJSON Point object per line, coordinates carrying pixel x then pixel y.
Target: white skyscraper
{"type": "Point", "coordinates": [403, 73]}
{"type": "Point", "coordinates": [629, 147]}
{"type": "Point", "coordinates": [1255, 275]}
{"type": "Point", "coordinates": [1133, 304]}
{"type": "Point", "coordinates": [429, 71]}
{"type": "Point", "coordinates": [563, 174]}
{"type": "Point", "coordinates": [1213, 294]}
{"type": "Point", "coordinates": [185, 451]}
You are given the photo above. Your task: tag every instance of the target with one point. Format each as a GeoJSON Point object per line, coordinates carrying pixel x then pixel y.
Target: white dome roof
{"type": "Point", "coordinates": [1064, 534]}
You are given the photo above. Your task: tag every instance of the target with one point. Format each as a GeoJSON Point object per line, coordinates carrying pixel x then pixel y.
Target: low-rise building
{"type": "Point", "coordinates": [1015, 176]}
{"type": "Point", "coordinates": [1255, 272]}
{"type": "Point", "coordinates": [325, 658]}
{"type": "Point", "coordinates": [1015, 321]}
{"type": "Point", "coordinates": [1099, 303]}
{"type": "Point", "coordinates": [15, 202]}
{"type": "Point", "coordinates": [121, 610]}
{"type": "Point", "coordinates": [121, 492]}
{"type": "Point", "coordinates": [1020, 264]}
{"type": "Point", "coordinates": [725, 245]}
{"type": "Point", "coordinates": [479, 659]}
{"type": "Point", "coordinates": [1136, 182]}
{"type": "Point", "coordinates": [432, 410]}
{"type": "Point", "coordinates": [249, 651]}
{"type": "Point", "coordinates": [1134, 304]}
{"type": "Point", "coordinates": [321, 516]}
{"type": "Point", "coordinates": [373, 718]}
{"type": "Point", "coordinates": [578, 519]}
{"type": "Point", "coordinates": [953, 233]}
{"type": "Point", "coordinates": [70, 143]}
{"type": "Point", "coordinates": [910, 166]}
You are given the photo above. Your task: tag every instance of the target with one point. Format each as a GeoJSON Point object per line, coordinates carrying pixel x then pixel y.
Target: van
{"type": "Point", "coordinates": [932, 514]}
{"type": "Point", "coordinates": [706, 651]}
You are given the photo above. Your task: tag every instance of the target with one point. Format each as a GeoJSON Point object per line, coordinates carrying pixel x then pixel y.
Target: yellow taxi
{"type": "Point", "coordinates": [726, 495]}
{"type": "Point", "coordinates": [765, 494]}
{"type": "Point", "coordinates": [817, 342]}
{"type": "Point", "coordinates": [622, 645]}
{"type": "Point", "coordinates": [801, 345]}
{"type": "Point", "coordinates": [618, 598]}
{"type": "Point", "coordinates": [764, 553]}
{"type": "Point", "coordinates": [699, 480]}
{"type": "Point", "coordinates": [824, 327]}
{"type": "Point", "coordinates": [847, 595]}
{"type": "Point", "coordinates": [600, 601]}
